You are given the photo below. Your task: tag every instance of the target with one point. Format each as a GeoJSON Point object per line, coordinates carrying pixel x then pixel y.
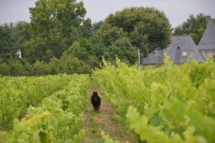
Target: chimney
{"type": "Point", "coordinates": [208, 17]}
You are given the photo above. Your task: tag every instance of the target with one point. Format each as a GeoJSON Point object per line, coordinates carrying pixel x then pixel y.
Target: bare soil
{"type": "Point", "coordinates": [104, 120]}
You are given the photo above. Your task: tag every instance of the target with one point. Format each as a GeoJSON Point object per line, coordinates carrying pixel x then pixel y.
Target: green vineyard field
{"type": "Point", "coordinates": [18, 93]}
{"type": "Point", "coordinates": [58, 118]}
{"type": "Point", "coordinates": [167, 104]}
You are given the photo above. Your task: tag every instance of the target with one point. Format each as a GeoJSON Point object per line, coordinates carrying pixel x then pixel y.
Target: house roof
{"type": "Point", "coordinates": [183, 45]}
{"type": "Point", "coordinates": [155, 57]}
{"type": "Point", "coordinates": [207, 41]}
{"type": "Point", "coordinates": [180, 49]}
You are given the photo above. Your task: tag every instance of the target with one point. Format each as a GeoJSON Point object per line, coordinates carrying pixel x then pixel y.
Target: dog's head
{"type": "Point", "coordinates": [95, 93]}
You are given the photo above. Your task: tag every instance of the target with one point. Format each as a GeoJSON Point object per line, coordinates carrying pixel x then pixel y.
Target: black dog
{"type": "Point", "coordinates": [96, 101]}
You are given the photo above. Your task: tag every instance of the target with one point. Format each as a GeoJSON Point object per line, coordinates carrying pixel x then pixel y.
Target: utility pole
{"type": "Point", "coordinates": [138, 51]}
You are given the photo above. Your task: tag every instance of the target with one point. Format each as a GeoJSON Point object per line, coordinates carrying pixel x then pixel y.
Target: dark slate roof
{"type": "Point", "coordinates": [207, 41]}
{"type": "Point", "coordinates": [179, 45]}
{"type": "Point", "coordinates": [182, 44]}
{"type": "Point", "coordinates": [155, 57]}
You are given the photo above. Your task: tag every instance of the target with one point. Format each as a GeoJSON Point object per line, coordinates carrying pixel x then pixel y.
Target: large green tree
{"type": "Point", "coordinates": [55, 25]}
{"type": "Point", "coordinates": [146, 28]}
{"type": "Point", "coordinates": [193, 26]}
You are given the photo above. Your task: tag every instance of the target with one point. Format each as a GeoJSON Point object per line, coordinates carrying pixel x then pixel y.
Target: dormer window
{"type": "Point", "coordinates": [184, 53]}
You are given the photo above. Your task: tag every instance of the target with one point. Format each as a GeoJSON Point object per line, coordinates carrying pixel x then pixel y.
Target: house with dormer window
{"type": "Point", "coordinates": [180, 49]}
{"type": "Point", "coordinates": [183, 47]}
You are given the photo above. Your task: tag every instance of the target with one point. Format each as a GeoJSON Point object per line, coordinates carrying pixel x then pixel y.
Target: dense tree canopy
{"type": "Point", "coordinates": [6, 42]}
{"type": "Point", "coordinates": [123, 49]}
{"type": "Point", "coordinates": [60, 39]}
{"type": "Point", "coordinates": [146, 28]}
{"type": "Point", "coordinates": [96, 26]}
{"type": "Point", "coordinates": [55, 25]}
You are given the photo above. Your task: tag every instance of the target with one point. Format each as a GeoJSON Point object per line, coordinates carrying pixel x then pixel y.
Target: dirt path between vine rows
{"type": "Point", "coordinates": [105, 120]}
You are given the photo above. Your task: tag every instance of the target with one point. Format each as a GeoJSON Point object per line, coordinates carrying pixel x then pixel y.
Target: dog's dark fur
{"type": "Point", "coordinates": [96, 101]}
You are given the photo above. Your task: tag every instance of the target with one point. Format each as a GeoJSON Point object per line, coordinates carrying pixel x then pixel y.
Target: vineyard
{"type": "Point", "coordinates": [57, 118]}
{"type": "Point", "coordinates": [169, 103]}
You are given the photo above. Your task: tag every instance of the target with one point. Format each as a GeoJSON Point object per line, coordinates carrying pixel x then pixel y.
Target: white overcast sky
{"type": "Point", "coordinates": [177, 11]}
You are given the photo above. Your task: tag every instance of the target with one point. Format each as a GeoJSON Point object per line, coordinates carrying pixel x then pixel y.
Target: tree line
{"type": "Point", "coordinates": [80, 57]}
{"type": "Point", "coordinates": [59, 39]}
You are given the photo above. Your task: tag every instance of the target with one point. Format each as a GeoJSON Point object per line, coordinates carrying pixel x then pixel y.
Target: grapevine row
{"type": "Point", "coordinates": [58, 119]}
{"type": "Point", "coordinates": [18, 93]}
{"type": "Point", "coordinates": [170, 103]}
